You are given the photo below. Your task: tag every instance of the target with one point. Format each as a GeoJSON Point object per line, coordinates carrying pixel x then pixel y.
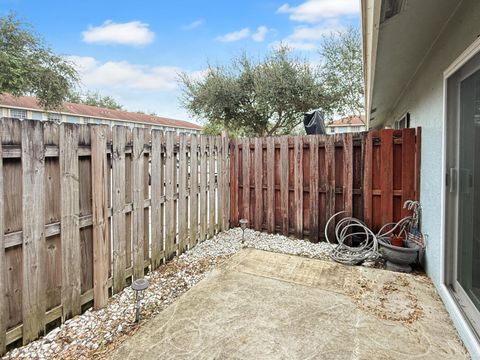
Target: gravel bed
{"type": "Point", "coordinates": [94, 333]}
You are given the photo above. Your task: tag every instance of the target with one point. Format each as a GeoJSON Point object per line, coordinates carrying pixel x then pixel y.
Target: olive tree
{"type": "Point", "coordinates": [342, 71]}
{"type": "Point", "coordinates": [29, 67]}
{"type": "Point", "coordinates": [255, 98]}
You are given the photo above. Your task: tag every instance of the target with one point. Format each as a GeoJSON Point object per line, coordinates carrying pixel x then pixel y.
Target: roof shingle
{"type": "Point", "coordinates": [31, 103]}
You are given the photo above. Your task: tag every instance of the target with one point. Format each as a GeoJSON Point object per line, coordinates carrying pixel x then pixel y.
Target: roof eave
{"type": "Point", "coordinates": [370, 26]}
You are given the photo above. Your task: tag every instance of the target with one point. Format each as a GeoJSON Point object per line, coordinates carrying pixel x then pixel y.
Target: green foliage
{"type": "Point", "coordinates": [29, 67]}
{"type": "Point", "coordinates": [342, 72]}
{"type": "Point", "coordinates": [94, 99]}
{"type": "Point", "coordinates": [255, 98]}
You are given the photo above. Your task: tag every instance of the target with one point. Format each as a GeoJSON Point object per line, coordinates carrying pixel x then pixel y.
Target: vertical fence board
{"type": "Point", "coordinates": [211, 186]}
{"type": "Point", "coordinates": [118, 203]}
{"type": "Point", "coordinates": [138, 213]}
{"type": "Point", "coordinates": [418, 160]}
{"type": "Point", "coordinates": [386, 175]}
{"type": "Point", "coordinates": [313, 144]}
{"type": "Point", "coordinates": [258, 184]}
{"type": "Point", "coordinates": [219, 184]}
{"type": "Point", "coordinates": [170, 188]}
{"type": "Point", "coordinates": [298, 184]}
{"type": "Point", "coordinates": [203, 188]}
{"type": "Point", "coordinates": [193, 190]}
{"type": "Point", "coordinates": [284, 169]}
{"type": "Point", "coordinates": [246, 179]}
{"type": "Point", "coordinates": [146, 196]}
{"type": "Point", "coordinates": [270, 184]}
{"type": "Point", "coordinates": [70, 231]}
{"type": "Point", "coordinates": [157, 203]}
{"type": "Point", "coordinates": [182, 196]}
{"type": "Point", "coordinates": [100, 215]}
{"type": "Point", "coordinates": [226, 181]}
{"type": "Point", "coordinates": [348, 174]}
{"type": "Point", "coordinates": [128, 200]}
{"type": "Point", "coordinates": [330, 184]}
{"type": "Point", "coordinates": [3, 267]}
{"type": "Point", "coordinates": [33, 169]}
{"type": "Point", "coordinates": [408, 167]}
{"type": "Point", "coordinates": [234, 182]}
{"type": "Point", "coordinates": [367, 179]}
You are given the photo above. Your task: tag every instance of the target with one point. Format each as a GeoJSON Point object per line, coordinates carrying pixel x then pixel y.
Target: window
{"type": "Point", "coordinates": [390, 8]}
{"type": "Point", "coordinates": [403, 122]}
{"type": "Point", "coordinates": [54, 117]}
{"type": "Point", "coordinates": [18, 114]}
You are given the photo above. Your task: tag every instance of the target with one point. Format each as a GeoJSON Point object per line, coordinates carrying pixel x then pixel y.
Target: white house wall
{"type": "Point", "coordinates": [423, 99]}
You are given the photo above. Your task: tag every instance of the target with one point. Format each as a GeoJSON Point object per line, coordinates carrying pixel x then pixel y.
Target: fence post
{"type": "Point", "coordinates": [100, 215]}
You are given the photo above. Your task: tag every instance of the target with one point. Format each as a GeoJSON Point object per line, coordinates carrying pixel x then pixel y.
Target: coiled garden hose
{"type": "Point", "coordinates": [348, 228]}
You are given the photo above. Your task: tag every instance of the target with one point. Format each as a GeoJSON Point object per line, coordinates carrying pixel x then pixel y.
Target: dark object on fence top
{"type": "Point", "coordinates": [314, 123]}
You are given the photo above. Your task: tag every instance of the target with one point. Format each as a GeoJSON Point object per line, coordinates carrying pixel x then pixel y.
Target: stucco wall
{"type": "Point", "coordinates": [423, 99]}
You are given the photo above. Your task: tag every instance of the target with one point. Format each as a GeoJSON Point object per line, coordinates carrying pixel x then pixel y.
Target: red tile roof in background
{"type": "Point", "coordinates": [348, 121]}
{"type": "Point", "coordinates": [30, 103]}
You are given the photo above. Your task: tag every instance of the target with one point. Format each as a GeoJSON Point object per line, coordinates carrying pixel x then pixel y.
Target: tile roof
{"type": "Point", "coordinates": [349, 121]}
{"type": "Point", "coordinates": [30, 103]}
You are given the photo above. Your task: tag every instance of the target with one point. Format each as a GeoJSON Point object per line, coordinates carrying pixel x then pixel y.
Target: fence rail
{"type": "Point", "coordinates": [294, 184]}
{"type": "Point", "coordinates": [86, 208]}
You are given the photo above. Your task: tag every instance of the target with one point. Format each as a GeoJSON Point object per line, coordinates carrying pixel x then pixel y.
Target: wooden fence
{"type": "Point", "coordinates": [294, 184]}
{"type": "Point", "coordinates": [86, 208]}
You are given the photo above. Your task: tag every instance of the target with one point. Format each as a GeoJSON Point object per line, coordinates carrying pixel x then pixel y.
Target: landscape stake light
{"type": "Point", "coordinates": [243, 225]}
{"type": "Point", "coordinates": [139, 286]}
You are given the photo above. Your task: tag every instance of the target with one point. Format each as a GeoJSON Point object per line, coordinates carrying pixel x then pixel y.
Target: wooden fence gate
{"type": "Point", "coordinates": [294, 184]}
{"type": "Point", "coordinates": [86, 208]}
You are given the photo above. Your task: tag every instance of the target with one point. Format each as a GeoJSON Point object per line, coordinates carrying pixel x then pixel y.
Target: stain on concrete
{"type": "Point", "coordinates": [263, 305]}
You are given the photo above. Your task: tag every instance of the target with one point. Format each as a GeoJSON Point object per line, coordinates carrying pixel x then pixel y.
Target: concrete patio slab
{"type": "Point", "coordinates": [263, 305]}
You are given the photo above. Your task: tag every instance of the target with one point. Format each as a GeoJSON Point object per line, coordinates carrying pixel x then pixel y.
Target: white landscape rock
{"type": "Point", "coordinates": [94, 333]}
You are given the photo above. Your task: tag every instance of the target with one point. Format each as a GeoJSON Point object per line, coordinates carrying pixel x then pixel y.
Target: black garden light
{"type": "Point", "coordinates": [243, 225]}
{"type": "Point", "coordinates": [139, 286]}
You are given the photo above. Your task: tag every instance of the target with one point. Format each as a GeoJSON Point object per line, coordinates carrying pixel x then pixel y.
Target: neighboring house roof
{"type": "Point", "coordinates": [348, 121]}
{"type": "Point", "coordinates": [31, 103]}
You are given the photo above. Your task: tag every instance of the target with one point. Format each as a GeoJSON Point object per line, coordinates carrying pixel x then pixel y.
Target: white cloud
{"type": "Point", "coordinates": [194, 24]}
{"type": "Point", "coordinates": [317, 32]}
{"type": "Point", "coordinates": [234, 36]}
{"type": "Point", "coordinates": [295, 45]}
{"type": "Point", "coordinates": [260, 34]}
{"type": "Point", "coordinates": [316, 10]}
{"type": "Point", "coordinates": [115, 74]}
{"type": "Point", "coordinates": [308, 38]}
{"type": "Point", "coordinates": [133, 33]}
{"type": "Point", "coordinates": [136, 86]}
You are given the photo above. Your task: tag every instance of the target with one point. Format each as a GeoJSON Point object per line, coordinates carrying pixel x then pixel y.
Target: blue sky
{"type": "Point", "coordinates": [132, 50]}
